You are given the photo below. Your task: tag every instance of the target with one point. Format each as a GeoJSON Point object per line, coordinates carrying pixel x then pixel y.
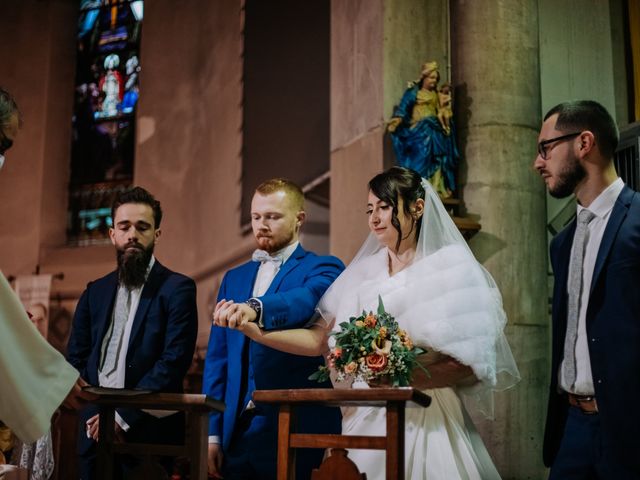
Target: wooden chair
{"type": "Point", "coordinates": [197, 409]}
{"type": "Point", "coordinates": [338, 465]}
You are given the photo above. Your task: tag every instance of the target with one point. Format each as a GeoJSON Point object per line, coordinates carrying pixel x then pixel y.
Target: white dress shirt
{"type": "Point", "coordinates": [268, 270]}
{"type": "Point", "coordinates": [116, 380]}
{"type": "Point", "coordinates": [601, 207]}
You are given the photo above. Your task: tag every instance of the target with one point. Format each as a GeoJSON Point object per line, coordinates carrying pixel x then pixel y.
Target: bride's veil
{"type": "Point", "coordinates": [438, 231]}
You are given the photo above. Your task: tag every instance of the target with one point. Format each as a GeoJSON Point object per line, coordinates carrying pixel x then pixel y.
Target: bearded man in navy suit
{"type": "Point", "coordinates": [134, 328]}
{"type": "Point", "coordinates": [592, 419]}
{"type": "Point", "coordinates": [278, 290]}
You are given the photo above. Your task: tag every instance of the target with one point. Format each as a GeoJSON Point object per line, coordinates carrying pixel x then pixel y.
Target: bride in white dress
{"type": "Point", "coordinates": [417, 261]}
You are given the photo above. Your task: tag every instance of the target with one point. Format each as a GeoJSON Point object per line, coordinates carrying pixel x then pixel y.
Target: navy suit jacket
{"type": "Point", "coordinates": [613, 329]}
{"type": "Point", "coordinates": [162, 338]}
{"type": "Point", "coordinates": [289, 303]}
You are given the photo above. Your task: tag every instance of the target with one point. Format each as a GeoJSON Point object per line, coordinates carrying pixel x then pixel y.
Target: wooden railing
{"type": "Point", "coordinates": [197, 409]}
{"type": "Point", "coordinates": [338, 465]}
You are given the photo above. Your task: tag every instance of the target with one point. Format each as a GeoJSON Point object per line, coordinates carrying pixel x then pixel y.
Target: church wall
{"type": "Point", "coordinates": [357, 125]}
{"type": "Point", "coordinates": [188, 141]}
{"type": "Point", "coordinates": [189, 138]}
{"type": "Point", "coordinates": [37, 69]}
{"type": "Point", "coordinates": [577, 60]}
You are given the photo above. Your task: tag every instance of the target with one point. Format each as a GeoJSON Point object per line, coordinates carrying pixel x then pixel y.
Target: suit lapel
{"type": "Point", "coordinates": [149, 291]}
{"type": "Point", "coordinates": [103, 317]}
{"type": "Point", "coordinates": [245, 288]}
{"type": "Point", "coordinates": [618, 214]}
{"type": "Point", "coordinates": [289, 265]}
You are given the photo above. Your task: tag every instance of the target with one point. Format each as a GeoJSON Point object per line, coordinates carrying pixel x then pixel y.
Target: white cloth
{"type": "Point", "coordinates": [269, 269]}
{"type": "Point", "coordinates": [36, 457]}
{"type": "Point", "coordinates": [601, 206]}
{"type": "Point", "coordinates": [34, 377]}
{"type": "Point", "coordinates": [444, 303]}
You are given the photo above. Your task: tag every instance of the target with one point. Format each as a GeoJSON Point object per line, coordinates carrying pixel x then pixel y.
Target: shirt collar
{"type": "Point", "coordinates": [603, 204]}
{"type": "Point", "coordinates": [287, 251]}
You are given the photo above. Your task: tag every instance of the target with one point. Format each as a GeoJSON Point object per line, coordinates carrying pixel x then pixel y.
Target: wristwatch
{"type": "Point", "coordinates": [256, 305]}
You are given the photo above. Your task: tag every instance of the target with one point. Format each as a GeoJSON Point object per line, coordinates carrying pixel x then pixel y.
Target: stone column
{"type": "Point", "coordinates": [496, 74]}
{"type": "Point", "coordinates": [357, 125]}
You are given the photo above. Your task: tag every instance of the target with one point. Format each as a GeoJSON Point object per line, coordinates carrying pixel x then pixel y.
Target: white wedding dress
{"type": "Point", "coordinates": [448, 303]}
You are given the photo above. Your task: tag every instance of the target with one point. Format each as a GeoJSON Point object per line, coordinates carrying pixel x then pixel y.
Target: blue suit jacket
{"type": "Point", "coordinates": [162, 338]}
{"type": "Point", "coordinates": [289, 303]}
{"type": "Point", "coordinates": [613, 329]}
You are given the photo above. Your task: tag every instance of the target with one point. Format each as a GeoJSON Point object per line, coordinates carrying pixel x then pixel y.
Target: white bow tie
{"type": "Point", "coordinates": [262, 256]}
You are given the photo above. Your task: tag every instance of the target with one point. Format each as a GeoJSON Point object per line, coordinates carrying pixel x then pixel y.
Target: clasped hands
{"type": "Point", "coordinates": [233, 315]}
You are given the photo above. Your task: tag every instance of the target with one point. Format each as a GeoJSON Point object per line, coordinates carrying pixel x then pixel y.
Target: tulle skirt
{"type": "Point", "coordinates": [441, 442]}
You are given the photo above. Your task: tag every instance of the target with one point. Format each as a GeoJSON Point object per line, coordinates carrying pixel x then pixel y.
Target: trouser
{"type": "Point", "coordinates": [582, 455]}
{"type": "Point", "coordinates": [253, 450]}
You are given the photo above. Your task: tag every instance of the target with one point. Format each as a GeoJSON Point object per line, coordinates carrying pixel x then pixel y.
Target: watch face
{"type": "Point", "coordinates": [255, 304]}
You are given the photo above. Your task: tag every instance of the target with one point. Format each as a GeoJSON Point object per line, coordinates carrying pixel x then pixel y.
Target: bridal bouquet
{"type": "Point", "coordinates": [371, 347]}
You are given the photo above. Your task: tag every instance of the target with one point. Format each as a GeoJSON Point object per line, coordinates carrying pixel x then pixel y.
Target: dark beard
{"type": "Point", "coordinates": [132, 266]}
{"type": "Point", "coordinates": [568, 179]}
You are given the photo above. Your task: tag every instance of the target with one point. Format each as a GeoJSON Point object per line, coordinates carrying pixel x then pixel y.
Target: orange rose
{"type": "Point", "coordinates": [370, 321]}
{"type": "Point", "coordinates": [337, 352]}
{"type": "Point", "coordinates": [376, 363]}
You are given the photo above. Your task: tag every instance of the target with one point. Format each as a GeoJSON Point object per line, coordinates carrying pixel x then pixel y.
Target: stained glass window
{"type": "Point", "coordinates": [104, 120]}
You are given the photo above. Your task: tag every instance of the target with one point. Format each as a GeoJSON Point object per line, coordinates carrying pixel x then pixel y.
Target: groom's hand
{"type": "Point", "coordinates": [214, 460]}
{"type": "Point", "coordinates": [242, 315]}
{"type": "Point", "coordinates": [233, 315]}
{"type": "Point", "coordinates": [220, 312]}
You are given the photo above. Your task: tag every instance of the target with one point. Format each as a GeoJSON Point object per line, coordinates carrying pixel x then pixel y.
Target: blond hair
{"type": "Point", "coordinates": [292, 190]}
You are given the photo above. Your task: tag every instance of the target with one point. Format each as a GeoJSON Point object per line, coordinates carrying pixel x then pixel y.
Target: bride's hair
{"type": "Point", "coordinates": [395, 183]}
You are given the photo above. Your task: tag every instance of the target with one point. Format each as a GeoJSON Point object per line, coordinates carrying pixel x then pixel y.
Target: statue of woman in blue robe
{"type": "Point", "coordinates": [423, 133]}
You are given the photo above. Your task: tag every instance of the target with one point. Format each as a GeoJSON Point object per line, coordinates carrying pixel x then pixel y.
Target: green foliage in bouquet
{"type": "Point", "coordinates": [371, 347]}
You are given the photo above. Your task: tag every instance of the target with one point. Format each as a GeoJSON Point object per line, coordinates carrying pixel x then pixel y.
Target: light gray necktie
{"type": "Point", "coordinates": [114, 342]}
{"type": "Point", "coordinates": [575, 292]}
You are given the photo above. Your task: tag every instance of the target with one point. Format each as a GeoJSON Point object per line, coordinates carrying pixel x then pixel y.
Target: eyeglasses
{"type": "Point", "coordinates": [543, 149]}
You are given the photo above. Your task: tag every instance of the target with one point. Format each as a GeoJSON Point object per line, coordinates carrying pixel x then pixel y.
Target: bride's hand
{"type": "Point", "coordinates": [250, 329]}
{"type": "Point", "coordinates": [446, 372]}
{"type": "Point", "coordinates": [430, 358]}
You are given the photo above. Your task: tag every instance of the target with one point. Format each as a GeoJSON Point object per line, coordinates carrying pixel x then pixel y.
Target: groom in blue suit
{"type": "Point", "coordinates": [134, 328]}
{"type": "Point", "coordinates": [278, 290]}
{"type": "Point", "coordinates": [592, 419]}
